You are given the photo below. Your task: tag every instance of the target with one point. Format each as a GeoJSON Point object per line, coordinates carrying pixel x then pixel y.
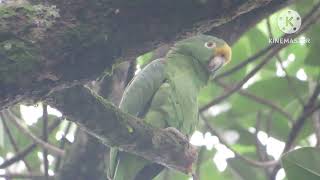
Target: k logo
{"type": "Point", "coordinates": [289, 21]}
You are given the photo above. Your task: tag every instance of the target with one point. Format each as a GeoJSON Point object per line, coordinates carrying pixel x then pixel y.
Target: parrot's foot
{"type": "Point", "coordinates": [176, 132]}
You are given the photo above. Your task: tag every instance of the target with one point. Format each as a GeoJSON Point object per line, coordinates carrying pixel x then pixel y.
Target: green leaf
{"type": "Point", "coordinates": [245, 171]}
{"type": "Point", "coordinates": [303, 7]}
{"type": "Point", "coordinates": [313, 57]}
{"type": "Point", "coordinates": [257, 44]}
{"type": "Point", "coordinates": [33, 159]}
{"type": "Point", "coordinates": [300, 52]}
{"type": "Point", "coordinates": [241, 50]}
{"type": "Point", "coordinates": [245, 137]}
{"type": "Point", "coordinates": [208, 170]}
{"type": "Point", "coordinates": [274, 89]}
{"type": "Point", "coordinates": [301, 164]}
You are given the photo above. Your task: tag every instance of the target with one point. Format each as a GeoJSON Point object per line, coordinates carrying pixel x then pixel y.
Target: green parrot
{"type": "Point", "coordinates": [164, 94]}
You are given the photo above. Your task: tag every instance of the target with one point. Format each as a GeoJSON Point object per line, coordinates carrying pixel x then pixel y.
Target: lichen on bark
{"type": "Point", "coordinates": [18, 59]}
{"type": "Point", "coordinates": [22, 25]}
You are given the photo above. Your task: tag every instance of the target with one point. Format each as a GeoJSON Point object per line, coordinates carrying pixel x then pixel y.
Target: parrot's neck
{"type": "Point", "coordinates": [184, 67]}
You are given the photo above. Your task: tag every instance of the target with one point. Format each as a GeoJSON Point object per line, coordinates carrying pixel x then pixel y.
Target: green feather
{"type": "Point", "coordinates": [165, 94]}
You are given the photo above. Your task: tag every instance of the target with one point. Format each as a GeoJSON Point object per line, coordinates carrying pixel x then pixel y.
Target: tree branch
{"type": "Point", "coordinates": [23, 153]}
{"type": "Point", "coordinates": [258, 100]}
{"type": "Point", "coordinates": [114, 128]}
{"type": "Point", "coordinates": [286, 75]}
{"type": "Point", "coordinates": [310, 19]}
{"type": "Point", "coordinates": [236, 87]}
{"type": "Point", "coordinates": [251, 162]}
{"type": "Point", "coordinates": [45, 139]}
{"type": "Point", "coordinates": [52, 149]}
{"type": "Point", "coordinates": [55, 51]}
{"type": "Point", "coordinates": [308, 110]}
{"type": "Point", "coordinates": [62, 144]}
{"type": "Point", "coordinates": [12, 140]}
{"type": "Point", "coordinates": [261, 150]}
{"type": "Point", "coordinates": [270, 51]}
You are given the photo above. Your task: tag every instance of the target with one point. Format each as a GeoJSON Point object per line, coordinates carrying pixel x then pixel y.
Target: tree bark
{"type": "Point", "coordinates": [114, 128]}
{"type": "Point", "coordinates": [44, 47]}
{"type": "Point", "coordinates": [49, 47]}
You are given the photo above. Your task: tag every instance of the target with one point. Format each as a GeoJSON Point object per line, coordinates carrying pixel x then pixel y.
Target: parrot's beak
{"type": "Point", "coordinates": [222, 57]}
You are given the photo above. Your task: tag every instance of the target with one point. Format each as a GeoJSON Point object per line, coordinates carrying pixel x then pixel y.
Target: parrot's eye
{"type": "Point", "coordinates": [210, 45]}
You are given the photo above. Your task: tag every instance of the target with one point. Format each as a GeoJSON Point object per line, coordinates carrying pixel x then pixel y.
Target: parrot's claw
{"type": "Point", "coordinates": [177, 133]}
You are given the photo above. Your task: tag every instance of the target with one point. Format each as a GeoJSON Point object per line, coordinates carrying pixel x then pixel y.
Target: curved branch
{"type": "Point", "coordinates": [109, 124]}
{"type": "Point", "coordinates": [252, 162]}
{"type": "Point", "coordinates": [23, 153]}
{"type": "Point", "coordinates": [271, 51]}
{"type": "Point", "coordinates": [52, 149]}
{"type": "Point", "coordinates": [61, 48]}
{"type": "Point", "coordinates": [13, 141]}
{"type": "Point", "coordinates": [258, 99]}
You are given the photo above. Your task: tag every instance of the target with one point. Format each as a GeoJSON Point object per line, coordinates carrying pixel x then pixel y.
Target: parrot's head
{"type": "Point", "coordinates": [211, 52]}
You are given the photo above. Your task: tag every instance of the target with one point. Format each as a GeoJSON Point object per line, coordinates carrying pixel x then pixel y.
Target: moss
{"type": "Point", "coordinates": [19, 59]}
{"type": "Point", "coordinates": [84, 36]}
{"type": "Point", "coordinates": [6, 12]}
{"type": "Point", "coordinates": [12, 14]}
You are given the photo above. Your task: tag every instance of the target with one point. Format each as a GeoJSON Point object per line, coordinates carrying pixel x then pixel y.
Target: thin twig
{"type": "Point", "coordinates": [62, 144]}
{"type": "Point", "coordinates": [310, 19]}
{"type": "Point", "coordinates": [251, 59]}
{"type": "Point", "coordinates": [290, 83]}
{"type": "Point", "coordinates": [255, 163]}
{"type": "Point", "coordinates": [308, 110]}
{"type": "Point", "coordinates": [12, 140]}
{"type": "Point", "coordinates": [22, 154]}
{"type": "Point", "coordinates": [261, 150]}
{"type": "Point", "coordinates": [316, 116]}
{"type": "Point", "coordinates": [52, 149]}
{"type": "Point", "coordinates": [243, 81]}
{"type": "Point", "coordinates": [269, 28]}
{"type": "Point", "coordinates": [257, 99]}
{"type": "Point", "coordinates": [45, 139]}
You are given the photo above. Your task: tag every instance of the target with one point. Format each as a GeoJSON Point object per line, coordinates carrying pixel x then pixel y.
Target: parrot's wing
{"type": "Point", "coordinates": [136, 97]}
{"type": "Point", "coordinates": [140, 90]}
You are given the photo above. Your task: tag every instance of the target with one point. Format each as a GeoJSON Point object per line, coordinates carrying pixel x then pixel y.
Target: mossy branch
{"type": "Point", "coordinates": [115, 128]}
{"type": "Point", "coordinates": [51, 45]}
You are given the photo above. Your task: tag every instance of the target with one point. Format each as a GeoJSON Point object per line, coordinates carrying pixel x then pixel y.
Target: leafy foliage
{"type": "Point", "coordinates": [251, 127]}
{"type": "Point", "coordinates": [303, 163]}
